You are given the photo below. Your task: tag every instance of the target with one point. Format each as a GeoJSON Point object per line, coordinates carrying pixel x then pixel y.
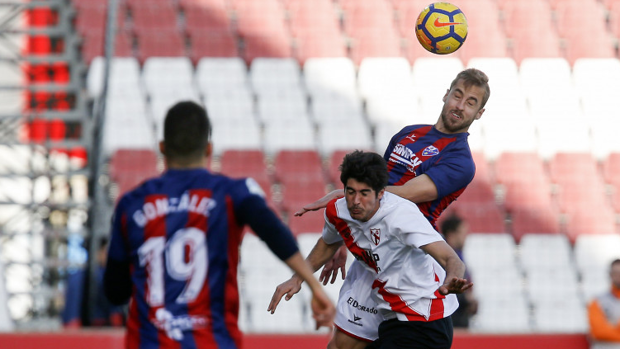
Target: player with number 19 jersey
{"type": "Point", "coordinates": [177, 238]}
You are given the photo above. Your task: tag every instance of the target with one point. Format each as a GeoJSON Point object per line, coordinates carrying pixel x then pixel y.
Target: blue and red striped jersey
{"type": "Point", "coordinates": [178, 236]}
{"type": "Point", "coordinates": [445, 158]}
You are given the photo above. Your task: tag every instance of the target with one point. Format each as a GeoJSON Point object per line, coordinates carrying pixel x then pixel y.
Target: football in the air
{"type": "Point", "coordinates": [441, 28]}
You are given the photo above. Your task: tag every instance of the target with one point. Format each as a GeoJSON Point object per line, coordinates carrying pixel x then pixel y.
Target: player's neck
{"type": "Point", "coordinates": [185, 165]}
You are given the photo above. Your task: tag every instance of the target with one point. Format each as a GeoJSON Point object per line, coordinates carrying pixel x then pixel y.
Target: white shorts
{"type": "Point", "coordinates": [357, 314]}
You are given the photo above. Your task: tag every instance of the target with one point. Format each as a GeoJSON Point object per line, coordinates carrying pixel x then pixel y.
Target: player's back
{"type": "Point", "coordinates": [182, 235]}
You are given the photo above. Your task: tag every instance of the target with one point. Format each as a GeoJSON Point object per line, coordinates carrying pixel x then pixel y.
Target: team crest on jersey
{"type": "Point", "coordinates": [375, 234]}
{"type": "Point", "coordinates": [430, 151]}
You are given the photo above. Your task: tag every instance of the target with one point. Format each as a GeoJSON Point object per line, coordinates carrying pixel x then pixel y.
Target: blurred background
{"type": "Point", "coordinates": [291, 86]}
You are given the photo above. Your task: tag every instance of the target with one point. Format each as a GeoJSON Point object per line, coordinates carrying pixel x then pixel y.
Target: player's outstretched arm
{"type": "Point", "coordinates": [321, 203]}
{"type": "Point", "coordinates": [321, 252]}
{"type": "Point", "coordinates": [450, 261]}
{"type": "Point", "coordinates": [323, 310]}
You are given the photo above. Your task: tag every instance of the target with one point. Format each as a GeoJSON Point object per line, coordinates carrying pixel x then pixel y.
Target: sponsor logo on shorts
{"type": "Point", "coordinates": [355, 320]}
{"type": "Point", "coordinates": [355, 304]}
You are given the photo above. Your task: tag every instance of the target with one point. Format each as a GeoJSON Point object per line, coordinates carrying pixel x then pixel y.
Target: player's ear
{"type": "Point", "coordinates": [162, 147]}
{"type": "Point", "coordinates": [479, 114]}
{"type": "Point", "coordinates": [380, 194]}
{"type": "Point", "coordinates": [208, 149]}
{"type": "Point", "coordinates": [446, 95]}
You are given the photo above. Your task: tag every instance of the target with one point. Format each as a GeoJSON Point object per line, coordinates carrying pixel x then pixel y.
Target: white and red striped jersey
{"type": "Point", "coordinates": [388, 245]}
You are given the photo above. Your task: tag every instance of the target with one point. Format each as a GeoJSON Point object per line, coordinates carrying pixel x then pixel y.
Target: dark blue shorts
{"type": "Point", "coordinates": [395, 334]}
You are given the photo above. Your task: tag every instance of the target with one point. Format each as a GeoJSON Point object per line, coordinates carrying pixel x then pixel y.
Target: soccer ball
{"type": "Point", "coordinates": [441, 28]}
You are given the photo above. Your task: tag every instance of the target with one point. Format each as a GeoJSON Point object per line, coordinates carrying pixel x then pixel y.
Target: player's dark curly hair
{"type": "Point", "coordinates": [365, 167]}
{"type": "Point", "coordinates": [187, 130]}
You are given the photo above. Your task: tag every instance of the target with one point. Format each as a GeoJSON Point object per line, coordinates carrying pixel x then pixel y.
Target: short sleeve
{"type": "Point", "coordinates": [414, 229]}
{"type": "Point", "coordinates": [330, 234]}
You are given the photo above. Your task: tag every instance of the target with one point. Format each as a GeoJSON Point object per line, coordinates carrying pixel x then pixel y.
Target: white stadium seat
{"type": "Point", "coordinates": [272, 75]}
{"type": "Point", "coordinates": [163, 75]}
{"type": "Point", "coordinates": [330, 76]}
{"type": "Point", "coordinates": [217, 74]}
{"type": "Point", "coordinates": [379, 76]}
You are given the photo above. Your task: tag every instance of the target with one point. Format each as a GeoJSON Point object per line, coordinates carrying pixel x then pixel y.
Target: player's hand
{"type": "Point", "coordinates": [456, 285]}
{"type": "Point", "coordinates": [320, 203]}
{"type": "Point", "coordinates": [288, 288]}
{"type": "Point", "coordinates": [323, 310]}
{"type": "Point", "coordinates": [338, 262]}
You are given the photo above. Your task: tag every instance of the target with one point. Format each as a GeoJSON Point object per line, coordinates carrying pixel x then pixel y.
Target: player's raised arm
{"type": "Point", "coordinates": [321, 203]}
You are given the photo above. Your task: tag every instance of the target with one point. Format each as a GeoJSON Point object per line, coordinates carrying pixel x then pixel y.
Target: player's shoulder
{"type": "Point", "coordinates": [399, 204]}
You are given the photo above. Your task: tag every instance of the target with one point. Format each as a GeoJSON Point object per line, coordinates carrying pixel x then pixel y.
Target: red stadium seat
{"type": "Point", "coordinates": [244, 163]}
{"type": "Point", "coordinates": [335, 160]}
{"type": "Point", "coordinates": [534, 220]}
{"type": "Point", "coordinates": [165, 43]}
{"type": "Point", "coordinates": [300, 164]}
{"type": "Point", "coordinates": [93, 46]}
{"type": "Point", "coordinates": [519, 167]}
{"type": "Point", "coordinates": [372, 43]}
{"type": "Point", "coordinates": [149, 16]}
{"type": "Point", "coordinates": [573, 168]}
{"type": "Point", "coordinates": [275, 45]}
{"type": "Point", "coordinates": [311, 222]}
{"type": "Point", "coordinates": [129, 168]}
{"type": "Point", "coordinates": [205, 17]}
{"type": "Point", "coordinates": [206, 43]}
{"type": "Point", "coordinates": [297, 192]}
{"type": "Point", "coordinates": [319, 45]}
{"type": "Point", "coordinates": [482, 218]}
{"type": "Point", "coordinates": [483, 43]}
{"type": "Point", "coordinates": [611, 169]}
{"type": "Point", "coordinates": [478, 192]}
{"type": "Point", "coordinates": [589, 220]}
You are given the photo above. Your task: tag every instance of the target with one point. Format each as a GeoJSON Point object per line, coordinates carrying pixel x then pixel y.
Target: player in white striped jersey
{"type": "Point", "coordinates": [412, 270]}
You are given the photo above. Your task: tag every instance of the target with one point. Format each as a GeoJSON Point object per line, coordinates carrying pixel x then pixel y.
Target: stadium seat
{"type": "Point", "coordinates": [228, 135]}
{"type": "Point", "coordinates": [124, 76]}
{"type": "Point", "coordinates": [377, 76]}
{"type": "Point", "coordinates": [212, 44]}
{"type": "Point", "coordinates": [274, 45]}
{"type": "Point", "coordinates": [542, 285]}
{"type": "Point", "coordinates": [333, 166]}
{"type": "Point", "coordinates": [482, 218]}
{"type": "Point", "coordinates": [288, 105]}
{"type": "Point", "coordinates": [319, 45]}
{"type": "Point", "coordinates": [140, 163]}
{"type": "Point", "coordinates": [299, 191]}
{"type": "Point", "coordinates": [160, 42]}
{"type": "Point", "coordinates": [205, 16]}
{"type": "Point", "coordinates": [431, 80]}
{"type": "Point", "coordinates": [583, 221]}
{"type": "Point", "coordinates": [374, 44]}
{"type": "Point", "coordinates": [230, 105]}
{"type": "Point", "coordinates": [327, 108]}
{"type": "Point", "coordinates": [384, 132]}
{"type": "Point", "coordinates": [594, 252]}
{"type": "Point", "coordinates": [330, 76]}
{"type": "Point", "coordinates": [560, 316]}
{"type": "Point", "coordinates": [545, 252]}
{"type": "Point", "coordinates": [289, 134]}
{"type": "Point", "coordinates": [299, 164]}
{"type": "Point", "coordinates": [507, 315]}
{"type": "Point", "coordinates": [217, 74]}
{"type": "Point", "coordinates": [489, 251]}
{"type": "Point", "coordinates": [162, 75]}
{"type": "Point", "coordinates": [611, 169]}
{"type": "Point", "coordinates": [562, 169]}
{"type": "Point", "coordinates": [534, 220]}
{"type": "Point", "coordinates": [337, 136]}
{"type": "Point", "coordinates": [274, 75]}
{"type": "Point", "coordinates": [397, 106]}
{"type": "Point", "coordinates": [479, 191]}
{"type": "Point", "coordinates": [244, 163]}
{"type": "Point", "coordinates": [260, 273]}
{"type": "Point", "coordinates": [150, 16]}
